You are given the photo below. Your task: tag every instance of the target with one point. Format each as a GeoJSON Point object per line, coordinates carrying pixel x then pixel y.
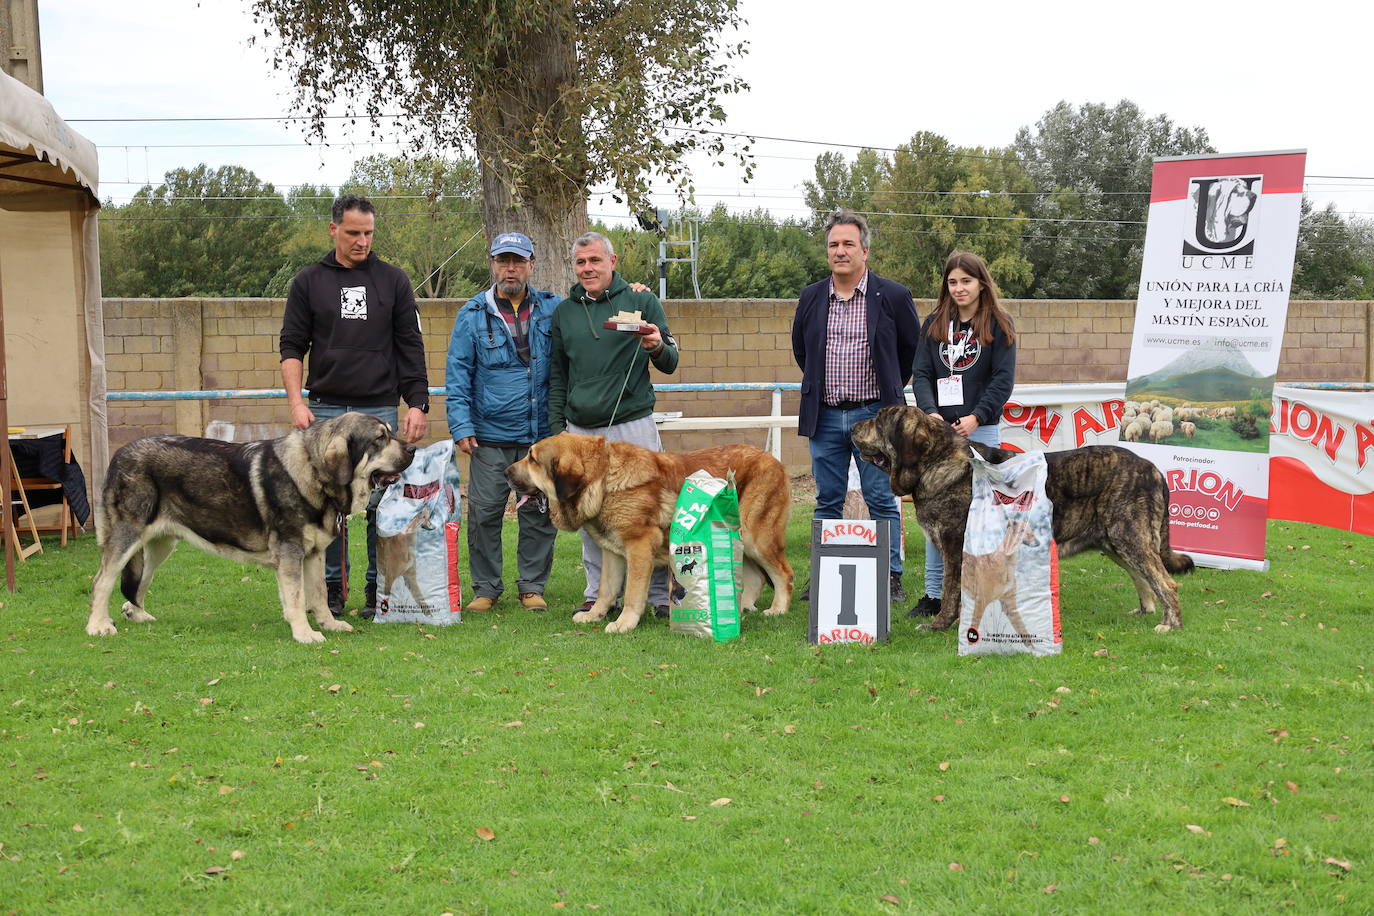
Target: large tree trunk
{"type": "Point", "coordinates": [543, 197]}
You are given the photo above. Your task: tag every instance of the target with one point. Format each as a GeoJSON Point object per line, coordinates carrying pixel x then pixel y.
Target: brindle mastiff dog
{"type": "Point", "coordinates": [625, 495]}
{"type": "Point", "coordinates": [1104, 497]}
{"type": "Point", "coordinates": [276, 502]}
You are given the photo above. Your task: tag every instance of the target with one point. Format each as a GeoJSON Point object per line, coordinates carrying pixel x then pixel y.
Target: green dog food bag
{"type": "Point", "coordinates": [705, 551]}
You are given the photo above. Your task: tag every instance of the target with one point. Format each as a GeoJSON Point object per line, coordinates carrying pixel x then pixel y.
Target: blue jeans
{"type": "Point", "coordinates": [336, 553]}
{"type": "Point", "coordinates": [990, 434]}
{"type": "Point", "coordinates": [831, 449]}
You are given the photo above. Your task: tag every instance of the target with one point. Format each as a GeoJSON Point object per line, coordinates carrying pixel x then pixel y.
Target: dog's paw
{"type": "Point", "coordinates": [585, 617]}
{"type": "Point", "coordinates": [1141, 610]}
{"type": "Point", "coordinates": [308, 636]}
{"type": "Point", "coordinates": [622, 625]}
{"type": "Point", "coordinates": [1164, 628]}
{"type": "Point", "coordinates": [136, 614]}
{"type": "Point", "coordinates": [101, 628]}
{"type": "Point", "coordinates": [337, 626]}
{"type": "Point", "coordinates": [774, 610]}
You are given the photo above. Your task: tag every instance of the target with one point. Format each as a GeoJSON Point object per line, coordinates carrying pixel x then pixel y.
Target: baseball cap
{"type": "Point", "coordinates": [512, 243]}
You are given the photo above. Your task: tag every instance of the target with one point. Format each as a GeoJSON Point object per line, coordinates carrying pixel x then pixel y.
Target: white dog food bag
{"type": "Point", "coordinates": [1010, 574]}
{"type": "Point", "coordinates": [418, 520]}
{"type": "Point", "coordinates": [705, 551]}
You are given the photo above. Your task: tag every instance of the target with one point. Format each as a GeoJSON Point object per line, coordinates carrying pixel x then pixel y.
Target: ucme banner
{"type": "Point", "coordinates": [1209, 319]}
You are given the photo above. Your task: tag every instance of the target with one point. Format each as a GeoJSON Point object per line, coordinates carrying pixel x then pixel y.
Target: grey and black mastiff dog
{"type": "Point", "coordinates": [277, 502]}
{"type": "Point", "coordinates": [1104, 496]}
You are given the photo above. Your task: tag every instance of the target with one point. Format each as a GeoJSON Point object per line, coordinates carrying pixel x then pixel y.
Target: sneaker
{"type": "Point", "coordinates": [369, 610]}
{"type": "Point", "coordinates": [480, 603]}
{"type": "Point", "coordinates": [897, 593]}
{"type": "Point", "coordinates": [661, 610]}
{"type": "Point", "coordinates": [335, 600]}
{"type": "Point", "coordinates": [533, 601]}
{"type": "Point", "coordinates": [926, 607]}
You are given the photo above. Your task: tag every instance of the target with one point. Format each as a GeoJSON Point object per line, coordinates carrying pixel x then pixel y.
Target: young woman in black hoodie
{"type": "Point", "coordinates": [964, 372]}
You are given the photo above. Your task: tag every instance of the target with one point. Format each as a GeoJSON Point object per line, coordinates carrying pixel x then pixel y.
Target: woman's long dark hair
{"type": "Point", "coordinates": [988, 311]}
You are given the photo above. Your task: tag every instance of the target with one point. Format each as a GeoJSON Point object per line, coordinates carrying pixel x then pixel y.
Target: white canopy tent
{"type": "Point", "coordinates": [52, 366]}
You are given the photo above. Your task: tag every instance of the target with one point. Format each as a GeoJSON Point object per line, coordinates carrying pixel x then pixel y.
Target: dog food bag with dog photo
{"type": "Point", "coordinates": [1010, 573]}
{"type": "Point", "coordinates": [417, 542]}
{"type": "Point", "coordinates": [706, 553]}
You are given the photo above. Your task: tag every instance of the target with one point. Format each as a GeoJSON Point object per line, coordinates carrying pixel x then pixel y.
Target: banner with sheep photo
{"type": "Point", "coordinates": [1210, 313]}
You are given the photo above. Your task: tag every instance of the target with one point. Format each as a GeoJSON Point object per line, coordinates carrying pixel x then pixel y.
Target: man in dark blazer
{"type": "Point", "coordinates": [854, 337]}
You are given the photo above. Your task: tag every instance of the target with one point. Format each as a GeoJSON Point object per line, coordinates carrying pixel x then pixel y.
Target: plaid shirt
{"type": "Point", "coordinates": [849, 372]}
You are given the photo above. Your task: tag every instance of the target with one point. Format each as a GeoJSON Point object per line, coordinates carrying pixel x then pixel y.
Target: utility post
{"type": "Point", "coordinates": [20, 54]}
{"type": "Point", "coordinates": [692, 241]}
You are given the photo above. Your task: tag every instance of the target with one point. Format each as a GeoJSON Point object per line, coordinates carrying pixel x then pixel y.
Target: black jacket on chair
{"type": "Point", "coordinates": [893, 329]}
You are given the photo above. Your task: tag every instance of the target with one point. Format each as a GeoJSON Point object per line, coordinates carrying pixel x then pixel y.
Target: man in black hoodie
{"type": "Point", "coordinates": [356, 317]}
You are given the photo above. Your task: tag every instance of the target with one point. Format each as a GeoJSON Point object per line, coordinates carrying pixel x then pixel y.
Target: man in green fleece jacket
{"type": "Point", "coordinates": [599, 379]}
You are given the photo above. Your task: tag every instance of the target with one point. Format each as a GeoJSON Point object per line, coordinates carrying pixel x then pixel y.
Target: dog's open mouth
{"type": "Point", "coordinates": [877, 459]}
{"type": "Point", "coordinates": [540, 501]}
{"type": "Point", "coordinates": [382, 479]}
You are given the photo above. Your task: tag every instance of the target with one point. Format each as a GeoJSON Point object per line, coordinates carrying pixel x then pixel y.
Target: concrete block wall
{"type": "Point", "coordinates": [185, 344]}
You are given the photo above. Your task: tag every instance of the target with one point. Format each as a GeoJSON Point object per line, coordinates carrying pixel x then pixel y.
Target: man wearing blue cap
{"type": "Point", "coordinates": [497, 377]}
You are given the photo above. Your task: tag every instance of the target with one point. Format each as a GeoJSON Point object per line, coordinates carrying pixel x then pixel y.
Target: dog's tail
{"type": "Point", "coordinates": [131, 575]}
{"type": "Point", "coordinates": [1179, 564]}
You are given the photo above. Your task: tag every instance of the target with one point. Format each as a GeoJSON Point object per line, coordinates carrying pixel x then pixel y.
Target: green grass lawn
{"type": "Point", "coordinates": [518, 762]}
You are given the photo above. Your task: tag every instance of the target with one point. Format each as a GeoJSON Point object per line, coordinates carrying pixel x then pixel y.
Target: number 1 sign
{"type": "Point", "coordinates": [850, 601]}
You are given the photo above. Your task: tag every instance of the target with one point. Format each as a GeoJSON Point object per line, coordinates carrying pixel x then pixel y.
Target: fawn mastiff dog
{"type": "Point", "coordinates": [625, 495]}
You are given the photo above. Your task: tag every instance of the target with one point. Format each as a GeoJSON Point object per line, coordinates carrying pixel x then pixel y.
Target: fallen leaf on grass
{"type": "Point", "coordinates": [77, 828]}
{"type": "Point", "coordinates": [689, 817]}
{"type": "Point", "coordinates": [1196, 829]}
{"type": "Point", "coordinates": [485, 833]}
{"type": "Point", "coordinates": [789, 729]}
{"type": "Point", "coordinates": [1064, 798]}
{"type": "Point", "coordinates": [720, 802]}
{"type": "Point", "coordinates": [1051, 888]}
{"type": "Point", "coordinates": [1330, 861]}
{"type": "Point", "coordinates": [1236, 802]}
{"type": "Point", "coordinates": [1291, 786]}
{"type": "Point", "coordinates": [212, 682]}
{"type": "Point", "coordinates": [206, 701]}
{"type": "Point", "coordinates": [516, 724]}
{"type": "Point", "coordinates": [225, 790]}
{"type": "Point", "coordinates": [889, 898]}
{"type": "Point", "coordinates": [237, 854]}
{"type": "Point", "coordinates": [937, 798]}
{"type": "Point", "coordinates": [944, 765]}
{"type": "Point", "coordinates": [955, 866]}
{"type": "Point", "coordinates": [334, 688]}
{"type": "Point", "coordinates": [216, 870]}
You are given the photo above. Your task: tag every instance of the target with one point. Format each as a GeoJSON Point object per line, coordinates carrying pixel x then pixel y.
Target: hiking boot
{"type": "Point", "coordinates": [897, 593]}
{"type": "Point", "coordinates": [335, 599]}
{"type": "Point", "coordinates": [533, 601]}
{"type": "Point", "coordinates": [926, 607]}
{"type": "Point", "coordinates": [661, 610]}
{"type": "Point", "coordinates": [480, 604]}
{"type": "Point", "coordinates": [370, 608]}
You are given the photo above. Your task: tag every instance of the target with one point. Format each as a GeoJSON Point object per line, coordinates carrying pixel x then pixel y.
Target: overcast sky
{"type": "Point", "coordinates": [1257, 76]}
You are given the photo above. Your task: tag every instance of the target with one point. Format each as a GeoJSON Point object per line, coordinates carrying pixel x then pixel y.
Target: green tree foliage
{"type": "Point", "coordinates": [555, 96]}
{"type": "Point", "coordinates": [1335, 256]}
{"type": "Point", "coordinates": [929, 199]}
{"type": "Point", "coordinates": [840, 183]}
{"type": "Point", "coordinates": [202, 232]}
{"type": "Point", "coordinates": [1091, 167]}
{"type": "Point", "coordinates": [428, 221]}
{"type": "Point", "coordinates": [936, 198]}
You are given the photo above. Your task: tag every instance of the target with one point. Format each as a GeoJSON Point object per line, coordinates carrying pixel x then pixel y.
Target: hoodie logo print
{"type": "Point", "coordinates": [353, 302]}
